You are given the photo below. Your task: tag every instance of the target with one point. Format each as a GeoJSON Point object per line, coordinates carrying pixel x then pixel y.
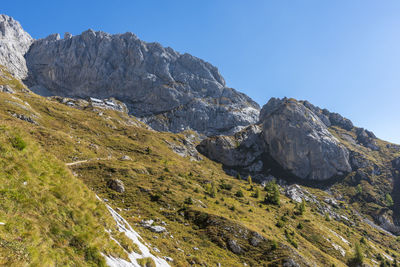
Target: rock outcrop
{"type": "Point", "coordinates": [116, 185]}
{"type": "Point", "coordinates": [167, 90]}
{"type": "Point", "coordinates": [240, 150]}
{"type": "Point", "coordinates": [301, 143]}
{"type": "Point", "coordinates": [288, 133]}
{"type": "Point", "coordinates": [14, 42]}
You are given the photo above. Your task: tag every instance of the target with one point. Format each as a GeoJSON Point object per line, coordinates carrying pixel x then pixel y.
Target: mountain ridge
{"type": "Point", "coordinates": [167, 90]}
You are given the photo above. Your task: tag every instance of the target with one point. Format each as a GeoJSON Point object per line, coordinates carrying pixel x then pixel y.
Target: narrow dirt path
{"type": "Point", "coordinates": [84, 161]}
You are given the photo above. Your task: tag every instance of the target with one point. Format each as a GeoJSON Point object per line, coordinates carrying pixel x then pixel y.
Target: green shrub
{"type": "Point", "coordinates": [155, 197]}
{"type": "Point", "coordinates": [358, 257]}
{"type": "Point", "coordinates": [389, 200]}
{"type": "Point", "coordinates": [239, 193]}
{"type": "Point", "coordinates": [188, 201]}
{"type": "Point", "coordinates": [93, 255]}
{"type": "Point", "coordinates": [18, 143]}
{"type": "Point", "coordinates": [211, 190]}
{"type": "Point", "coordinates": [256, 194]}
{"type": "Point", "coordinates": [274, 245]}
{"type": "Point", "coordinates": [146, 262]}
{"type": "Point", "coordinates": [280, 224]}
{"type": "Point", "coordinates": [226, 186]}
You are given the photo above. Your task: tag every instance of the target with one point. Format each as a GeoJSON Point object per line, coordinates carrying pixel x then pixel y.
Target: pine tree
{"type": "Point", "coordinates": [256, 193]}
{"type": "Point", "coordinates": [273, 194]}
{"type": "Point", "coordinates": [249, 180]}
{"type": "Point", "coordinates": [389, 200]}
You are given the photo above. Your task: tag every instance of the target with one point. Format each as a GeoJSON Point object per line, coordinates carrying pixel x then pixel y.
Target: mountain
{"type": "Point", "coordinates": [86, 183]}
{"type": "Point", "coordinates": [167, 90]}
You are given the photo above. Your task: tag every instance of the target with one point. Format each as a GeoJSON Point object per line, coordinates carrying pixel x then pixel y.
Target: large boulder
{"type": "Point", "coordinates": [239, 150]}
{"type": "Point", "coordinates": [14, 42]}
{"type": "Point", "coordinates": [167, 90]}
{"type": "Point", "coordinates": [301, 143]}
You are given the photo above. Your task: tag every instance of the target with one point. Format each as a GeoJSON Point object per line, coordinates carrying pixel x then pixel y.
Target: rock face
{"type": "Point", "coordinates": [240, 150]}
{"type": "Point", "coordinates": [301, 143]}
{"type": "Point", "coordinates": [168, 90]}
{"type": "Point", "coordinates": [116, 185]}
{"type": "Point", "coordinates": [289, 133]}
{"type": "Point", "coordinates": [14, 42]}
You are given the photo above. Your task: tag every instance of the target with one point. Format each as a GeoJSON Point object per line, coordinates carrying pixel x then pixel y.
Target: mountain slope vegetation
{"type": "Point", "coordinates": [187, 209]}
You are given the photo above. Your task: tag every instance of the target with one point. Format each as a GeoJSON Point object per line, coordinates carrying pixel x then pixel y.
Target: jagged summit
{"type": "Point", "coordinates": [168, 90]}
{"type": "Point", "coordinates": [14, 43]}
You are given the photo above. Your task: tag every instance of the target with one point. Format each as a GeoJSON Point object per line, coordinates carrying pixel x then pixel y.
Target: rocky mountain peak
{"type": "Point", "coordinates": [14, 43]}
{"type": "Point", "coordinates": [168, 90]}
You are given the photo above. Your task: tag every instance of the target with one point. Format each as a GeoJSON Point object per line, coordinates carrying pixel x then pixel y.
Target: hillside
{"type": "Point", "coordinates": [201, 216]}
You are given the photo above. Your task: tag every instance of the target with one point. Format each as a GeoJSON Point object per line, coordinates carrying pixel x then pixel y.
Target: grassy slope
{"type": "Point", "coordinates": [71, 135]}
{"type": "Point", "coordinates": [50, 217]}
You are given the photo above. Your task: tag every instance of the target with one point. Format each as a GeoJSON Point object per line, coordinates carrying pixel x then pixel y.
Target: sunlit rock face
{"type": "Point", "coordinates": [300, 142]}
{"type": "Point", "coordinates": [14, 42]}
{"type": "Point", "coordinates": [168, 90]}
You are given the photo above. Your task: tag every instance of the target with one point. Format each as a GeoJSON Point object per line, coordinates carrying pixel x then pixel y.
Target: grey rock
{"type": "Point", "coordinates": [332, 202]}
{"type": "Point", "coordinates": [234, 246]}
{"type": "Point", "coordinates": [167, 90]}
{"type": "Point", "coordinates": [290, 263]}
{"type": "Point", "coordinates": [149, 224]}
{"type": "Point", "coordinates": [157, 229]}
{"type": "Point", "coordinates": [241, 150]}
{"type": "Point", "coordinates": [322, 115]}
{"type": "Point", "coordinates": [67, 35]}
{"type": "Point", "coordinates": [298, 140]}
{"type": "Point", "coordinates": [116, 185]}
{"type": "Point", "coordinates": [6, 89]}
{"type": "Point", "coordinates": [357, 160]}
{"type": "Point", "coordinates": [288, 132]}
{"type": "Point", "coordinates": [125, 158]}
{"type": "Point", "coordinates": [298, 194]}
{"type": "Point", "coordinates": [168, 259]}
{"type": "Point", "coordinates": [366, 138]}
{"type": "Point", "coordinates": [396, 164]}
{"type": "Point", "coordinates": [339, 120]}
{"type": "Point", "coordinates": [256, 239]}
{"type": "Point", "coordinates": [186, 146]}
{"type": "Point", "coordinates": [386, 222]}
{"type": "Point", "coordinates": [24, 118]}
{"type": "Point", "coordinates": [108, 103]}
{"type": "Point", "coordinates": [14, 43]}
{"type": "Point", "coordinates": [393, 146]}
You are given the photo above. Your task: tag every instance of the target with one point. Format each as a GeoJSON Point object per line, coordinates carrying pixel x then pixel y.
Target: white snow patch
{"type": "Point", "coordinates": [123, 226]}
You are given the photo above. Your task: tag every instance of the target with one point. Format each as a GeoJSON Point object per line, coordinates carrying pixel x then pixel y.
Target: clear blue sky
{"type": "Point", "coordinates": [342, 55]}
